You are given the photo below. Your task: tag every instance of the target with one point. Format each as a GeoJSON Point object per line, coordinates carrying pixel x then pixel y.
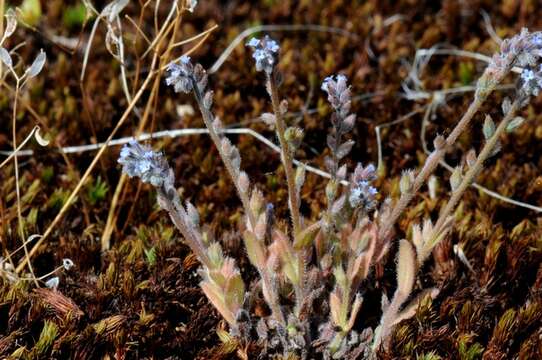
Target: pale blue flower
{"type": "Point", "coordinates": [338, 93]}
{"type": "Point", "coordinates": [264, 52]}
{"type": "Point", "coordinates": [140, 161]}
{"type": "Point", "coordinates": [181, 74]}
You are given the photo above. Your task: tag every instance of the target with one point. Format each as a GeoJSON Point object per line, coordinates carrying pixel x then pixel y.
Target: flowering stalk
{"type": "Point", "coordinates": [473, 171]}
{"type": "Point", "coordinates": [522, 50]}
{"type": "Point", "coordinates": [151, 167]}
{"type": "Point", "coordinates": [207, 119]}
{"type": "Point", "coordinates": [222, 282]}
{"type": "Point", "coordinates": [186, 78]}
{"type": "Point", "coordinates": [286, 155]}
{"type": "Point", "coordinates": [431, 163]}
{"type": "Point", "coordinates": [265, 54]}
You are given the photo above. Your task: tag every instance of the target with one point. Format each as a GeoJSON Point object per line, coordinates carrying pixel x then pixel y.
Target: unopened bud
{"type": "Point", "coordinates": [256, 201]}
{"type": "Point", "coordinates": [517, 122]}
{"type": "Point", "coordinates": [217, 124]}
{"type": "Point", "coordinates": [299, 177]}
{"type": "Point", "coordinates": [193, 214]}
{"type": "Point", "coordinates": [489, 127]}
{"type": "Point", "coordinates": [341, 173]}
{"type": "Point", "coordinates": [331, 190]}
{"type": "Point", "coordinates": [283, 107]}
{"type": "Point", "coordinates": [269, 119]}
{"type": "Point", "coordinates": [294, 137]}
{"type": "Point", "coordinates": [439, 143]}
{"type": "Point", "coordinates": [406, 182]}
{"type": "Point", "coordinates": [226, 146]}
{"type": "Point", "coordinates": [471, 158]}
{"type": "Point", "coordinates": [243, 182]}
{"type": "Point", "coordinates": [455, 179]}
{"type": "Point", "coordinates": [208, 100]}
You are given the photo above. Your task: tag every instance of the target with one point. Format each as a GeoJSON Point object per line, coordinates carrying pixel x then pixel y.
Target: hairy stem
{"type": "Point", "coordinates": [286, 157]}
{"type": "Point", "coordinates": [178, 215]}
{"type": "Point", "coordinates": [208, 120]}
{"type": "Point", "coordinates": [388, 318]}
{"type": "Point", "coordinates": [429, 167]}
{"type": "Point", "coordinates": [475, 169]}
{"type": "Point", "coordinates": [266, 278]}
{"type": "Point", "coordinates": [272, 301]}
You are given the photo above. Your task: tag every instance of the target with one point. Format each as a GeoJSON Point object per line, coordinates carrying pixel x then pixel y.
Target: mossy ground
{"type": "Point", "coordinates": [141, 299]}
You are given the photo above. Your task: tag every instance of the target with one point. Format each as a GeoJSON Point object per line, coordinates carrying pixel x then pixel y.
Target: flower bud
{"type": "Point", "coordinates": [439, 143]}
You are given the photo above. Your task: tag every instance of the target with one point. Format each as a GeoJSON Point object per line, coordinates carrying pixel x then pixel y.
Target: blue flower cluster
{"type": "Point", "coordinates": [338, 92]}
{"type": "Point", "coordinates": [181, 74]}
{"type": "Point", "coordinates": [531, 81]}
{"type": "Point", "coordinates": [150, 166]}
{"type": "Point", "coordinates": [363, 194]}
{"type": "Point", "coordinates": [264, 52]}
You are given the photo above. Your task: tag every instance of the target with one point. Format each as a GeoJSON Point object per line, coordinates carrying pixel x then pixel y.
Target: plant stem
{"type": "Point", "coordinates": [286, 155]}
{"type": "Point", "coordinates": [430, 164]}
{"type": "Point", "coordinates": [273, 297]}
{"type": "Point", "coordinates": [388, 318]}
{"type": "Point", "coordinates": [208, 120]}
{"type": "Point", "coordinates": [266, 278]}
{"type": "Point", "coordinates": [17, 189]}
{"type": "Point", "coordinates": [192, 238]}
{"type": "Point", "coordinates": [475, 169]}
